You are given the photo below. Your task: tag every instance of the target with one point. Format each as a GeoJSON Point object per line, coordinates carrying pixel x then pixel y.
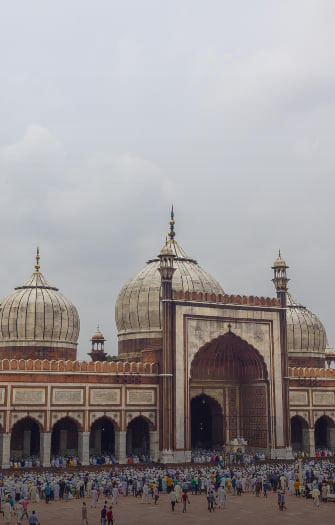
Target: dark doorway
{"type": "Point", "coordinates": [297, 427]}
{"type": "Point", "coordinates": [138, 438]}
{"type": "Point", "coordinates": [102, 437]}
{"type": "Point", "coordinates": [206, 423]}
{"type": "Point", "coordinates": [322, 432]}
{"type": "Point", "coordinates": [25, 439]}
{"type": "Point", "coordinates": [64, 438]}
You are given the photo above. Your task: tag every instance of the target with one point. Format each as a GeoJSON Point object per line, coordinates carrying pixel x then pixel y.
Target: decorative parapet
{"type": "Point", "coordinates": [100, 367]}
{"type": "Point", "coordinates": [250, 300]}
{"type": "Point", "coordinates": [296, 372]}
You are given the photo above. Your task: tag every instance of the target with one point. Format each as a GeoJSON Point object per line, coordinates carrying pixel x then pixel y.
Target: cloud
{"type": "Point", "coordinates": [225, 108]}
{"type": "Point", "coordinates": [80, 215]}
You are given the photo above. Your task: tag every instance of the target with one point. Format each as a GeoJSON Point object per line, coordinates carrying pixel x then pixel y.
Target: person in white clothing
{"type": "Point", "coordinates": [145, 494]}
{"type": "Point", "coordinates": [115, 495]}
{"type": "Point", "coordinates": [222, 497]}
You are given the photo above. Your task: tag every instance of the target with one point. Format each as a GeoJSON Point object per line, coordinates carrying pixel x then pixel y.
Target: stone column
{"type": "Point", "coordinates": [62, 442]}
{"type": "Point", "coordinates": [154, 444]}
{"type": "Point", "coordinates": [97, 441]}
{"type": "Point", "coordinates": [4, 450]}
{"type": "Point", "coordinates": [26, 442]}
{"type": "Point", "coordinates": [84, 448]}
{"type": "Point", "coordinates": [45, 448]}
{"type": "Point", "coordinates": [120, 446]}
{"type": "Point", "coordinates": [308, 441]}
{"type": "Point", "coordinates": [332, 438]}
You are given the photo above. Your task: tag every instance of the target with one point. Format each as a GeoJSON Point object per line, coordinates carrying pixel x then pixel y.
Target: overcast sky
{"type": "Point", "coordinates": [110, 110]}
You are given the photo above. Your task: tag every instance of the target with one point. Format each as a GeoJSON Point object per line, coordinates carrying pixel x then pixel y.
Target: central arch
{"type": "Point", "coordinates": [206, 422]}
{"type": "Point", "coordinates": [238, 374]}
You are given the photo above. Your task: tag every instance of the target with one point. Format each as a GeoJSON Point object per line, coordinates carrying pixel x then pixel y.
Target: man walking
{"type": "Point", "coordinates": [24, 504]}
{"type": "Point", "coordinates": [173, 498]}
{"type": "Point", "coordinates": [316, 496]}
{"type": "Point", "coordinates": [84, 516]}
{"type": "Point", "coordinates": [103, 515]}
{"type": "Point", "coordinates": [47, 492]}
{"type": "Point", "coordinates": [110, 516]}
{"type": "Point", "coordinates": [33, 519]}
{"type": "Point", "coordinates": [211, 500]}
{"type": "Point", "coordinates": [185, 499]}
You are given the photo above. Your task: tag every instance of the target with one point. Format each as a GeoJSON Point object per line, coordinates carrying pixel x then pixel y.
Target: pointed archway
{"type": "Point", "coordinates": [298, 441]}
{"type": "Point", "coordinates": [237, 372]}
{"type": "Point", "coordinates": [102, 437]}
{"type": "Point", "coordinates": [25, 439]}
{"type": "Point", "coordinates": [324, 431]}
{"type": "Point", "coordinates": [64, 437]}
{"type": "Point", "coordinates": [138, 437]}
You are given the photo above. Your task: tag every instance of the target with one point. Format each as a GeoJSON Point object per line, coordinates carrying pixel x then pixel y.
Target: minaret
{"type": "Point", "coordinates": [280, 279]}
{"type": "Point", "coordinates": [166, 269]}
{"type": "Point", "coordinates": [98, 342]}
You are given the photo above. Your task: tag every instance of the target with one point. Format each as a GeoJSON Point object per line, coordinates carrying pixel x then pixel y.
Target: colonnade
{"type": "Point", "coordinates": [308, 440]}
{"type": "Point", "coordinates": [120, 453]}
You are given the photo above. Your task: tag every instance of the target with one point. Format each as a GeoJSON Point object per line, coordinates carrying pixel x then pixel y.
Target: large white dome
{"type": "Point", "coordinates": [306, 335]}
{"type": "Point", "coordinates": [36, 316]}
{"type": "Point", "coordinates": [138, 308]}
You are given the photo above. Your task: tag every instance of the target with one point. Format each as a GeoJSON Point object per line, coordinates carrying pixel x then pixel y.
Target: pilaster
{"type": "Point", "coordinates": [120, 446]}
{"type": "Point", "coordinates": [154, 444]}
{"type": "Point", "coordinates": [4, 450]}
{"type": "Point", "coordinates": [45, 448]}
{"type": "Point", "coordinates": [308, 441]}
{"type": "Point", "coordinates": [83, 448]}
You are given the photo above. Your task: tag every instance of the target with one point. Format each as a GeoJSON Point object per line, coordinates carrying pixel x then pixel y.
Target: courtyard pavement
{"type": "Point", "coordinates": [247, 509]}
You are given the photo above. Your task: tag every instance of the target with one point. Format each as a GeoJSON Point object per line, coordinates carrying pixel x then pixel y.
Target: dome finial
{"type": "Point", "coordinates": [172, 233]}
{"type": "Point", "coordinates": [37, 265]}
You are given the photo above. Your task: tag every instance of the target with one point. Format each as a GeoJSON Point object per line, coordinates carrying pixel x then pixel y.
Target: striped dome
{"type": "Point", "coordinates": [138, 308]}
{"type": "Point", "coordinates": [36, 314]}
{"type": "Point", "coordinates": [305, 332]}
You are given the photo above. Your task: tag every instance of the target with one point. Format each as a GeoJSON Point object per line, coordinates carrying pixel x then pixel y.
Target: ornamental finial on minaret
{"type": "Point", "coordinates": [37, 265]}
{"type": "Point", "coordinates": [172, 233]}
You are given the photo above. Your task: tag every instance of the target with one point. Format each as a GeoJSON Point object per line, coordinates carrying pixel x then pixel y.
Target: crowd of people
{"type": "Point", "coordinates": [312, 479]}
{"type": "Point", "coordinates": [224, 457]}
{"type": "Point", "coordinates": [73, 461]}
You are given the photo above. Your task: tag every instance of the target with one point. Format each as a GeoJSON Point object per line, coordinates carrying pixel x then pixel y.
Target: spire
{"type": "Point", "coordinates": [172, 233]}
{"type": "Point", "coordinates": [37, 265]}
{"type": "Point", "coordinates": [280, 279]}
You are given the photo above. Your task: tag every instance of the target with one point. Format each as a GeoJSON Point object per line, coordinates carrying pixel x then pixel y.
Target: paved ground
{"type": "Point", "coordinates": [246, 509]}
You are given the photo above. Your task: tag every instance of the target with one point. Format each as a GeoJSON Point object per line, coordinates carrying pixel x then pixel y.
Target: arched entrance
{"type": "Point", "coordinates": [298, 441]}
{"type": "Point", "coordinates": [64, 437]}
{"type": "Point", "coordinates": [324, 431]}
{"type": "Point", "coordinates": [138, 437]}
{"type": "Point", "coordinates": [102, 437]}
{"type": "Point", "coordinates": [238, 374]}
{"type": "Point", "coordinates": [25, 439]}
{"type": "Point", "coordinates": [206, 422]}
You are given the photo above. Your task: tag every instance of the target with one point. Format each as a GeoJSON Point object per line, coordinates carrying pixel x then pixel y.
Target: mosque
{"type": "Point", "coordinates": [197, 367]}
